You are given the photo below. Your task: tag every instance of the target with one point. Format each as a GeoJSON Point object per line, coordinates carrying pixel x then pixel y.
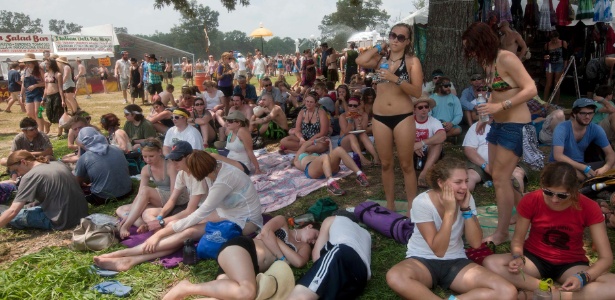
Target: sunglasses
{"type": "Point", "coordinates": [29, 128]}
{"type": "Point", "coordinates": [353, 105]}
{"type": "Point", "coordinates": [448, 85]}
{"type": "Point", "coordinates": [232, 121]}
{"type": "Point", "coordinates": [422, 107]}
{"type": "Point", "coordinates": [436, 77]}
{"type": "Point", "coordinates": [177, 117]}
{"type": "Point", "coordinates": [400, 37]}
{"type": "Point", "coordinates": [199, 104]}
{"type": "Point", "coordinates": [267, 85]}
{"type": "Point", "coordinates": [550, 193]}
{"type": "Point", "coordinates": [178, 159]}
{"type": "Point", "coordinates": [149, 144]}
{"type": "Point", "coordinates": [476, 78]}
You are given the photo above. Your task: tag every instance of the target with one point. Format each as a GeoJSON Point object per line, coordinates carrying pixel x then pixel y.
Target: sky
{"type": "Point", "coordinates": [285, 18]}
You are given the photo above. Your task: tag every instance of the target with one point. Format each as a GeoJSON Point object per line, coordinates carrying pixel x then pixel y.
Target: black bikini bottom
{"type": "Point", "coordinates": [392, 121]}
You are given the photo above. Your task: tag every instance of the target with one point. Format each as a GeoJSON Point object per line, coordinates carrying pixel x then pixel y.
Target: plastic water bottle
{"type": "Point", "coordinates": [598, 186]}
{"type": "Point", "coordinates": [543, 292]}
{"type": "Point", "coordinates": [419, 162]}
{"type": "Point", "coordinates": [189, 253]}
{"type": "Point", "coordinates": [480, 101]}
{"type": "Point", "coordinates": [41, 109]}
{"type": "Point", "coordinates": [488, 184]}
{"type": "Point", "coordinates": [384, 64]}
{"type": "Point", "coordinates": [302, 219]}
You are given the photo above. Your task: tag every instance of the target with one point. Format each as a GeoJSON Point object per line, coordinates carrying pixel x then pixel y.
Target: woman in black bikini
{"type": "Point", "coordinates": [512, 87]}
{"type": "Point", "coordinates": [393, 108]}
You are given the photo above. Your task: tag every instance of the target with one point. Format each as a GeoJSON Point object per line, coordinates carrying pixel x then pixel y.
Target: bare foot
{"type": "Point", "coordinates": [114, 264]}
{"type": "Point", "coordinates": [177, 292]}
{"type": "Point", "coordinates": [143, 228]}
{"type": "Point", "coordinates": [124, 232]}
{"type": "Point", "coordinates": [497, 238]}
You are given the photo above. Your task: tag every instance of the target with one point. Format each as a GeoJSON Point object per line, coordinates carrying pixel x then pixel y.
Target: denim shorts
{"type": "Point", "coordinates": [554, 67]}
{"type": "Point", "coordinates": [32, 217]}
{"type": "Point", "coordinates": [507, 135]}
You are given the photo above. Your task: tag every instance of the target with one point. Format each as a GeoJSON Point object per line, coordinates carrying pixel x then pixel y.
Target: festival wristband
{"type": "Point", "coordinates": [584, 278]}
{"type": "Point", "coordinates": [466, 215]}
{"type": "Point", "coordinates": [283, 258]}
{"type": "Point", "coordinates": [484, 165]}
{"type": "Point", "coordinates": [465, 208]}
{"type": "Point", "coordinates": [378, 47]}
{"type": "Point", "coordinates": [580, 279]}
{"type": "Point", "coordinates": [587, 169]}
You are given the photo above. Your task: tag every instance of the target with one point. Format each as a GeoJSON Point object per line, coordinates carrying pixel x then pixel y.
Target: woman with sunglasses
{"type": "Point", "coordinates": [137, 127]}
{"type": "Point", "coordinates": [161, 117]}
{"type": "Point", "coordinates": [163, 199]}
{"type": "Point", "coordinates": [231, 197]}
{"type": "Point", "coordinates": [511, 87]}
{"type": "Point", "coordinates": [312, 123]}
{"type": "Point", "coordinates": [239, 142]}
{"type": "Point", "coordinates": [353, 136]}
{"type": "Point", "coordinates": [202, 120]}
{"type": "Point", "coordinates": [225, 79]}
{"type": "Point", "coordinates": [557, 216]}
{"type": "Point", "coordinates": [393, 122]}
{"type": "Point", "coordinates": [117, 136]}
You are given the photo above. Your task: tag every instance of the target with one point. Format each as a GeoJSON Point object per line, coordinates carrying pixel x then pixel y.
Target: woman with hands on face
{"type": "Point", "coordinates": [356, 120]}
{"type": "Point", "coordinates": [556, 217]}
{"type": "Point", "coordinates": [436, 255]}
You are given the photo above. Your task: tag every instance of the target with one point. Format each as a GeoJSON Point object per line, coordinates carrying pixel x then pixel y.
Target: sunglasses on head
{"type": "Point", "coordinates": [400, 37]}
{"type": "Point", "coordinates": [550, 193]}
{"type": "Point", "coordinates": [177, 117]}
{"type": "Point", "coordinates": [353, 105]}
{"type": "Point", "coordinates": [149, 144]}
{"type": "Point", "coordinates": [421, 107]}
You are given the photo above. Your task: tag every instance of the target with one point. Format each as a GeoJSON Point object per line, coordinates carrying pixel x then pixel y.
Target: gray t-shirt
{"type": "Point", "coordinates": [38, 144]}
{"type": "Point", "coordinates": [57, 191]}
{"type": "Point", "coordinates": [108, 173]}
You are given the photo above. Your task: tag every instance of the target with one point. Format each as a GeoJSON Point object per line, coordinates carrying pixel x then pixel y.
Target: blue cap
{"type": "Point", "coordinates": [179, 150]}
{"type": "Point", "coordinates": [584, 102]}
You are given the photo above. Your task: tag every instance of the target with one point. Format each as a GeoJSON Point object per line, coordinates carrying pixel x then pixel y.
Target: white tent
{"type": "Point", "coordinates": [420, 16]}
{"type": "Point", "coordinates": [365, 39]}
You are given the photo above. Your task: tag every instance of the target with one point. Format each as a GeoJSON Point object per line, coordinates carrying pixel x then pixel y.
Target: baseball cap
{"type": "Point", "coordinates": [179, 150]}
{"type": "Point", "coordinates": [583, 102]}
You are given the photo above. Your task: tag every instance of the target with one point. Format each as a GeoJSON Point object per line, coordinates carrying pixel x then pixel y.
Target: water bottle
{"type": "Point", "coordinates": [384, 64]}
{"type": "Point", "coordinates": [41, 109]}
{"type": "Point", "coordinates": [488, 184]}
{"type": "Point", "coordinates": [302, 219]}
{"type": "Point", "coordinates": [419, 162]}
{"type": "Point", "coordinates": [480, 101]}
{"type": "Point", "coordinates": [543, 292]}
{"type": "Point", "coordinates": [189, 253]}
{"type": "Point", "coordinates": [598, 186]}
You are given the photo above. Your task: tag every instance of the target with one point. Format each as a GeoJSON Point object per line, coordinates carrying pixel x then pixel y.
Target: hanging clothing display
{"type": "Point", "coordinates": [532, 16]}
{"type": "Point", "coordinates": [502, 7]}
{"type": "Point", "coordinates": [562, 13]}
{"type": "Point", "coordinates": [602, 11]}
{"type": "Point", "coordinates": [610, 40]}
{"type": "Point", "coordinates": [585, 9]}
{"type": "Point", "coordinates": [517, 15]}
{"type": "Point", "coordinates": [545, 17]}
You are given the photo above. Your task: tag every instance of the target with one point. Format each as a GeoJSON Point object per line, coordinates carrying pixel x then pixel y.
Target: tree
{"type": "Point", "coordinates": [350, 18]}
{"type": "Point", "coordinates": [120, 29]}
{"type": "Point", "coordinates": [277, 45]}
{"type": "Point", "coordinates": [444, 49]}
{"type": "Point", "coordinates": [19, 23]}
{"type": "Point", "coordinates": [418, 4]}
{"type": "Point", "coordinates": [61, 27]}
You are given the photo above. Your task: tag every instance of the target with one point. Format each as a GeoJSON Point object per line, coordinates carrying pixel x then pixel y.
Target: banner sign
{"type": "Point", "coordinates": [25, 42]}
{"type": "Point", "coordinates": [81, 43]}
{"type": "Point", "coordinates": [104, 62]}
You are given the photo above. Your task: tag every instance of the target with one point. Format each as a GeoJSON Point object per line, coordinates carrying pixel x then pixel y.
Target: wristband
{"type": "Point", "coordinates": [283, 258]}
{"type": "Point", "coordinates": [159, 218]}
{"type": "Point", "coordinates": [583, 277]}
{"type": "Point", "coordinates": [484, 165]}
{"type": "Point", "coordinates": [587, 169]}
{"type": "Point", "coordinates": [379, 48]}
{"type": "Point", "coordinates": [580, 279]}
{"type": "Point", "coordinates": [466, 215]}
{"type": "Point", "coordinates": [465, 208]}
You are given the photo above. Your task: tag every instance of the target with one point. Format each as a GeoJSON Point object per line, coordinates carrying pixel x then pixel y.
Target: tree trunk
{"type": "Point", "coordinates": [448, 19]}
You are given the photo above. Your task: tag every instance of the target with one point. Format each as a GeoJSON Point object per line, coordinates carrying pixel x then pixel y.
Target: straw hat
{"type": "Point", "coordinates": [29, 57]}
{"type": "Point", "coordinates": [276, 283]}
{"type": "Point", "coordinates": [62, 59]}
{"type": "Point", "coordinates": [54, 56]}
{"type": "Point", "coordinates": [424, 98]}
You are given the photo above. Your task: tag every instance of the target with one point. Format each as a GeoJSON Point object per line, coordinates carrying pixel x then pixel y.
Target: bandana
{"type": "Point", "coordinates": [180, 113]}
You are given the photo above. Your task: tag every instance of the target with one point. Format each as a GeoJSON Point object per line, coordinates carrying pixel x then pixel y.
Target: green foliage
{"type": "Point", "coordinates": [278, 45]}
{"type": "Point", "coordinates": [120, 29]}
{"type": "Point", "coordinates": [61, 27]}
{"type": "Point", "coordinates": [185, 7]}
{"type": "Point", "coordinates": [19, 22]}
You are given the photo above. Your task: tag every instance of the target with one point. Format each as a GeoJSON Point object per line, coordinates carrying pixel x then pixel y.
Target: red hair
{"type": "Point", "coordinates": [480, 42]}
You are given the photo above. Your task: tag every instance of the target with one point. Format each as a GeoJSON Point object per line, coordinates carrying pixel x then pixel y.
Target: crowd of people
{"type": "Point", "coordinates": [382, 111]}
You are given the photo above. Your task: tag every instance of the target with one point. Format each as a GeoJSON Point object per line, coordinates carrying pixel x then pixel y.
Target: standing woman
{"type": "Point", "coordinates": [393, 109]}
{"type": "Point", "coordinates": [32, 89]}
{"type": "Point", "coordinates": [53, 96]}
{"type": "Point", "coordinates": [556, 61]}
{"type": "Point", "coordinates": [225, 79]}
{"type": "Point", "coordinates": [212, 67]}
{"type": "Point", "coordinates": [68, 85]}
{"type": "Point", "coordinates": [297, 69]}
{"type": "Point", "coordinates": [308, 70]}
{"type": "Point", "coordinates": [104, 75]}
{"type": "Point", "coordinates": [511, 88]}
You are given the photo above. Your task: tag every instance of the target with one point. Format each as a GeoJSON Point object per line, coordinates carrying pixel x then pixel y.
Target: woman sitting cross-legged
{"type": "Point", "coordinates": [435, 255]}
{"type": "Point", "coordinates": [323, 166]}
{"type": "Point", "coordinates": [231, 197]}
{"type": "Point", "coordinates": [241, 259]}
{"type": "Point", "coordinates": [355, 120]}
{"type": "Point", "coordinates": [167, 199]}
{"type": "Point", "coordinates": [239, 141]}
{"type": "Point", "coordinates": [557, 216]}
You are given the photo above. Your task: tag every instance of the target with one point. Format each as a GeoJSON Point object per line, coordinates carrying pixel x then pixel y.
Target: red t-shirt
{"type": "Point", "coordinates": [557, 236]}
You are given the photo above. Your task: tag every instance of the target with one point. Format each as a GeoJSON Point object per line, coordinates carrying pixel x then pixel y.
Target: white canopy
{"type": "Point", "coordinates": [420, 16]}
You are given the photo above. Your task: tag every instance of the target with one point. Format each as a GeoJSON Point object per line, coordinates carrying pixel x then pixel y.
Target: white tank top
{"type": "Point", "coordinates": [237, 151]}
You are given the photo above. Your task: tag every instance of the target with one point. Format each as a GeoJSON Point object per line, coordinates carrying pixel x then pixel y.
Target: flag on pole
{"type": "Point", "coordinates": [207, 37]}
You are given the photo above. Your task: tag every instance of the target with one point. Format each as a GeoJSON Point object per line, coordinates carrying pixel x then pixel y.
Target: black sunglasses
{"type": "Point", "coordinates": [550, 193]}
{"type": "Point", "coordinates": [353, 105]}
{"type": "Point", "coordinates": [448, 85]}
{"type": "Point", "coordinates": [422, 107]}
{"type": "Point", "coordinates": [199, 104]}
{"type": "Point", "coordinates": [476, 78]}
{"type": "Point", "coordinates": [400, 37]}
{"type": "Point", "coordinates": [149, 144]}
{"type": "Point", "coordinates": [267, 85]}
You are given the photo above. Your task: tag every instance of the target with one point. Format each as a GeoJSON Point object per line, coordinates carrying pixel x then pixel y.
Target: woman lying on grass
{"type": "Point", "coordinates": [557, 215]}
{"type": "Point", "coordinates": [165, 199]}
{"type": "Point", "coordinates": [241, 259]}
{"type": "Point", "coordinates": [231, 197]}
{"type": "Point", "coordinates": [435, 255]}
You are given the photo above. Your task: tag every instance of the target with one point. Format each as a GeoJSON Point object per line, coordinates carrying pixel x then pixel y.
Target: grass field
{"type": "Point", "coordinates": [39, 265]}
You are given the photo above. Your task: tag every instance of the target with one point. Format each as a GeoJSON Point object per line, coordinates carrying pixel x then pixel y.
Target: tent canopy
{"type": "Point", "coordinates": [420, 16]}
{"type": "Point", "coordinates": [137, 47]}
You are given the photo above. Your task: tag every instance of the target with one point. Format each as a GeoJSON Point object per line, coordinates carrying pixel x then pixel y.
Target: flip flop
{"type": "Point", "coordinates": [102, 272]}
{"type": "Point", "coordinates": [112, 287]}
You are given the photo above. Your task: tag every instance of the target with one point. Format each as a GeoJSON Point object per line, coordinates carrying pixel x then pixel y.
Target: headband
{"type": "Point", "coordinates": [132, 112]}
{"type": "Point", "coordinates": [181, 113]}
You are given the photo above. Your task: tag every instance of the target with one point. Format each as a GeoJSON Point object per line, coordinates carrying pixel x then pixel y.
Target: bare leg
{"type": "Point", "coordinates": [405, 148]}
{"type": "Point", "coordinates": [476, 282]}
{"type": "Point", "coordinates": [340, 154]}
{"type": "Point", "coordinates": [433, 155]}
{"type": "Point", "coordinates": [384, 145]}
{"type": "Point", "coordinates": [290, 142]}
{"type": "Point", "coordinates": [350, 142]}
{"type": "Point", "coordinates": [147, 197]}
{"type": "Point", "coordinates": [473, 179]}
{"type": "Point", "coordinates": [369, 146]}
{"type": "Point", "coordinates": [410, 279]}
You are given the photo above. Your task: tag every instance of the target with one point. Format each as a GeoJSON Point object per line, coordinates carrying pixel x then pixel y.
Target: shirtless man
{"type": "Point", "coordinates": [273, 118]}
{"type": "Point", "coordinates": [512, 40]}
{"type": "Point", "coordinates": [237, 103]}
{"type": "Point", "coordinates": [80, 78]}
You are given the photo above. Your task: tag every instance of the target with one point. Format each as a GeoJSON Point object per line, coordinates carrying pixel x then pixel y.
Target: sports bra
{"type": "Point", "coordinates": [304, 154]}
{"type": "Point", "coordinates": [283, 236]}
{"type": "Point", "coordinates": [498, 84]}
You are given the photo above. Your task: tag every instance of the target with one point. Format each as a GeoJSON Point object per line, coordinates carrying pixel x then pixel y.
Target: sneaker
{"type": "Point", "coordinates": [334, 188]}
{"type": "Point", "coordinates": [362, 179]}
{"type": "Point", "coordinates": [88, 97]}
{"type": "Point", "coordinates": [125, 102]}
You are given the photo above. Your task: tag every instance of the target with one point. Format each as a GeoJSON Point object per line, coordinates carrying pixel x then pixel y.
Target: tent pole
{"type": "Point", "coordinates": [262, 39]}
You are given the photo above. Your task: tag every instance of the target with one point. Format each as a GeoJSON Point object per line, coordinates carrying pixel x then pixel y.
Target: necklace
{"type": "Point", "coordinates": [396, 60]}
{"type": "Point", "coordinates": [296, 236]}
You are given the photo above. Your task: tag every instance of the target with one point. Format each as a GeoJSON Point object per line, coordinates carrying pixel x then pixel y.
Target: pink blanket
{"type": "Point", "coordinates": [283, 183]}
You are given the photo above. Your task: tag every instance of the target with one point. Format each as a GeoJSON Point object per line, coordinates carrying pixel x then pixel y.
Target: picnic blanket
{"type": "Point", "coordinates": [282, 183]}
{"type": "Point", "coordinates": [135, 239]}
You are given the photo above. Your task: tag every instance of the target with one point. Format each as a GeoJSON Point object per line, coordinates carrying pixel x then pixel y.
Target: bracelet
{"type": "Point", "coordinates": [466, 215]}
{"type": "Point", "coordinates": [379, 48]}
{"type": "Point", "coordinates": [577, 275]}
{"type": "Point", "coordinates": [507, 104]}
{"type": "Point", "coordinates": [515, 256]}
{"type": "Point", "coordinates": [484, 165]}
{"type": "Point", "coordinates": [587, 169]}
{"type": "Point", "coordinates": [465, 208]}
{"type": "Point", "coordinates": [159, 218]}
{"type": "Point", "coordinates": [422, 142]}
{"type": "Point", "coordinates": [584, 278]}
{"type": "Point", "coordinates": [283, 258]}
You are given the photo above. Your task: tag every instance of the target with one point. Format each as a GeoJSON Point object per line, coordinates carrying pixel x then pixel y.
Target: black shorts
{"type": "Point", "coordinates": [188, 75]}
{"type": "Point", "coordinates": [339, 273]}
{"type": "Point", "coordinates": [136, 92]}
{"type": "Point", "coordinates": [98, 201]}
{"type": "Point", "coordinates": [169, 75]}
{"type": "Point", "coordinates": [227, 90]}
{"type": "Point", "coordinates": [443, 272]}
{"type": "Point", "coordinates": [154, 88]}
{"type": "Point", "coordinates": [104, 77]}
{"type": "Point", "coordinates": [69, 90]}
{"type": "Point", "coordinates": [549, 270]}
{"type": "Point", "coordinates": [245, 243]}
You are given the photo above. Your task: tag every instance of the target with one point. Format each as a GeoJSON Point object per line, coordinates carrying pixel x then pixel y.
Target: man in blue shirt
{"type": "Point", "coordinates": [477, 83]}
{"type": "Point", "coordinates": [244, 88]}
{"type": "Point", "coordinates": [573, 138]}
{"type": "Point", "coordinates": [448, 108]}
